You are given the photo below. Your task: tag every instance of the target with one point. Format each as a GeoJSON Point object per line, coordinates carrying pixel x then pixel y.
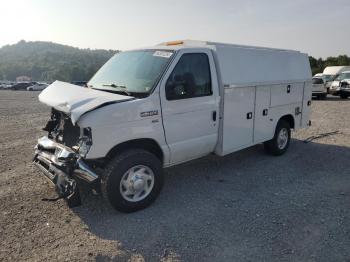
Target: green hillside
{"type": "Point", "coordinates": [48, 61]}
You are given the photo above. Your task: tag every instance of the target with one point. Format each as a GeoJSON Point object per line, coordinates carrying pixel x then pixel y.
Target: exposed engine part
{"type": "Point", "coordinates": [61, 129]}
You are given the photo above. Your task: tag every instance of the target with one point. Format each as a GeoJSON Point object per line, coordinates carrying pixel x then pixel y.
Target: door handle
{"type": "Point", "coordinates": [265, 112]}
{"type": "Point", "coordinates": [250, 115]}
{"type": "Point", "coordinates": [214, 116]}
{"type": "Point", "coordinates": [288, 89]}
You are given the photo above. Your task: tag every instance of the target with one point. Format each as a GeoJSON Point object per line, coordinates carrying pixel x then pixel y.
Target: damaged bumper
{"type": "Point", "coordinates": [62, 166]}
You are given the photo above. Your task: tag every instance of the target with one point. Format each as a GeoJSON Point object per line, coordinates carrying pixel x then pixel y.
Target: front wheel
{"type": "Point", "coordinates": [132, 180]}
{"type": "Point", "coordinates": [279, 144]}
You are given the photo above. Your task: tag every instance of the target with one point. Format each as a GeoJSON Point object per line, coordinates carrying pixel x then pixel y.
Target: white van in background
{"type": "Point", "coordinates": [37, 87]}
{"type": "Point", "coordinates": [160, 106]}
{"type": "Point", "coordinates": [343, 81]}
{"type": "Point", "coordinates": [330, 73]}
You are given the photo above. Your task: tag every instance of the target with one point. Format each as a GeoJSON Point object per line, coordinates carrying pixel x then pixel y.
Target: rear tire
{"type": "Point", "coordinates": [132, 180]}
{"type": "Point", "coordinates": [279, 144]}
{"type": "Point", "coordinates": [344, 96]}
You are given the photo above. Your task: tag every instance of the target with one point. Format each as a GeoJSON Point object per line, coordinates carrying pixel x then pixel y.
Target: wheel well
{"type": "Point", "coordinates": [289, 119]}
{"type": "Point", "coordinates": [143, 143]}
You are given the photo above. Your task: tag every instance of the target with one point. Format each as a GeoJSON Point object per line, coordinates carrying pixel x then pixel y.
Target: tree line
{"type": "Point", "coordinates": [317, 65]}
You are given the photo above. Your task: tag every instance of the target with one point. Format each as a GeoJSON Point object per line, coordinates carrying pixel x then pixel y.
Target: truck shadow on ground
{"type": "Point", "coordinates": [245, 206]}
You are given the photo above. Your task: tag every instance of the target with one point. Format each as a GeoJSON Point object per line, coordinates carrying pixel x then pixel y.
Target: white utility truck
{"type": "Point", "coordinates": [156, 107]}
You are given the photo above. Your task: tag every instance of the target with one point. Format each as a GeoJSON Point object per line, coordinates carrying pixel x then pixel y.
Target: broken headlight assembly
{"type": "Point", "coordinates": [85, 142]}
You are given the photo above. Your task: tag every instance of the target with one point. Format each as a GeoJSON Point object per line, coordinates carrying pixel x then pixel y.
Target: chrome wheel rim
{"type": "Point", "coordinates": [282, 138]}
{"type": "Point", "coordinates": [137, 183]}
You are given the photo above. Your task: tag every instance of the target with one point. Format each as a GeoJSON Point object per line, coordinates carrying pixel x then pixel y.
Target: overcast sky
{"type": "Point", "coordinates": [318, 27]}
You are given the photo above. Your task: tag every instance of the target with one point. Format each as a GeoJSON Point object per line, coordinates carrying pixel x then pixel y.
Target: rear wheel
{"type": "Point", "coordinates": [344, 96]}
{"type": "Point", "coordinates": [132, 180]}
{"type": "Point", "coordinates": [279, 144]}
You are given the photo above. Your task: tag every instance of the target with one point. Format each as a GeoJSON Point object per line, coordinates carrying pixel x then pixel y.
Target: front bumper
{"type": "Point", "coordinates": [345, 90]}
{"type": "Point", "coordinates": [62, 166]}
{"type": "Point", "coordinates": [319, 92]}
{"type": "Point", "coordinates": [334, 90]}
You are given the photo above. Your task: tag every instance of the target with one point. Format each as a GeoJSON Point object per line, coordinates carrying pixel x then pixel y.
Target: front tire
{"type": "Point", "coordinates": [132, 180]}
{"type": "Point", "coordinates": [279, 144]}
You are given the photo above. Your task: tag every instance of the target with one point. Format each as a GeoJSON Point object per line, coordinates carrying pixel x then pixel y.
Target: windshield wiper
{"type": "Point", "coordinates": [117, 91]}
{"type": "Point", "coordinates": [114, 85]}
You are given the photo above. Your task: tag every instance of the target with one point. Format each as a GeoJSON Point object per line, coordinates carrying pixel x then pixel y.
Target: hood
{"type": "Point", "coordinates": [76, 100]}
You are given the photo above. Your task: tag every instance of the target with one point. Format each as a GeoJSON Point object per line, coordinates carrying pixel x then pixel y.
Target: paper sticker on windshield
{"type": "Point", "coordinates": [162, 54]}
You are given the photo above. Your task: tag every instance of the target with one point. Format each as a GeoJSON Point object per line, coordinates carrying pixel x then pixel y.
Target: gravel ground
{"type": "Point", "coordinates": [247, 206]}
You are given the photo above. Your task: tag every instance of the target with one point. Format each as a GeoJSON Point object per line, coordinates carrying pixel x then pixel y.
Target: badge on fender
{"type": "Point", "coordinates": [149, 113]}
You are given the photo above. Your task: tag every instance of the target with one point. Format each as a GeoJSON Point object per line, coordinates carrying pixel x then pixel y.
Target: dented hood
{"type": "Point", "coordinates": [76, 100]}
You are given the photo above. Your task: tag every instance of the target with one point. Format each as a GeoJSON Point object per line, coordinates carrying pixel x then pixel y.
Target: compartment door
{"type": "Point", "coordinates": [238, 118]}
{"type": "Point", "coordinates": [286, 94]}
{"type": "Point", "coordinates": [306, 110]}
{"type": "Point", "coordinates": [263, 126]}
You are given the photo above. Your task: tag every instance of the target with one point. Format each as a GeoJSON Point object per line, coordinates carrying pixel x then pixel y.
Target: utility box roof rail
{"type": "Point", "coordinates": [199, 43]}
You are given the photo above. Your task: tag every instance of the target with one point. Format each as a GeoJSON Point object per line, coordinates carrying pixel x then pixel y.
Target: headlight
{"type": "Point", "coordinates": [85, 142]}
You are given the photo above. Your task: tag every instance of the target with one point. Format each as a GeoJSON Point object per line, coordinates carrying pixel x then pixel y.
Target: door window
{"type": "Point", "coordinates": [190, 78]}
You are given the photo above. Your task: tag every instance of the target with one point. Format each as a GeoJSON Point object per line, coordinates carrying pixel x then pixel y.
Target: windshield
{"type": "Point", "coordinates": [317, 81]}
{"type": "Point", "coordinates": [131, 72]}
{"type": "Point", "coordinates": [328, 77]}
{"type": "Point", "coordinates": [343, 76]}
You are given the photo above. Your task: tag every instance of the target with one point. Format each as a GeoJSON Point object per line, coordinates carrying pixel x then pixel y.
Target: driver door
{"type": "Point", "coordinates": [190, 104]}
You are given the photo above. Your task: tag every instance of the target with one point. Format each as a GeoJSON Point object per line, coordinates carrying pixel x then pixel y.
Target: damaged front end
{"type": "Point", "coordinates": [60, 156]}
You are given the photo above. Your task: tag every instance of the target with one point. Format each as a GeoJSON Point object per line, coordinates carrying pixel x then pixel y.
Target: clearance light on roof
{"type": "Point", "coordinates": [175, 43]}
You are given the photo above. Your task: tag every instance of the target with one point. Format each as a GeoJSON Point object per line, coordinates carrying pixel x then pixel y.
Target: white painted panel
{"type": "Point", "coordinates": [244, 65]}
{"type": "Point", "coordinates": [189, 128]}
{"type": "Point", "coordinates": [263, 124]}
{"type": "Point", "coordinates": [237, 129]}
{"type": "Point", "coordinates": [280, 95]}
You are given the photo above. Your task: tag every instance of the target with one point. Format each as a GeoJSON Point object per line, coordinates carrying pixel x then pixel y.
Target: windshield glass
{"type": "Point", "coordinates": [343, 76]}
{"type": "Point", "coordinates": [317, 80]}
{"type": "Point", "coordinates": [328, 77]}
{"type": "Point", "coordinates": [131, 71]}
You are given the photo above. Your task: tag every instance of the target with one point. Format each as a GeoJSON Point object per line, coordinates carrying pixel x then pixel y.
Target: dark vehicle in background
{"type": "Point", "coordinates": [22, 85]}
{"type": "Point", "coordinates": [79, 83]}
